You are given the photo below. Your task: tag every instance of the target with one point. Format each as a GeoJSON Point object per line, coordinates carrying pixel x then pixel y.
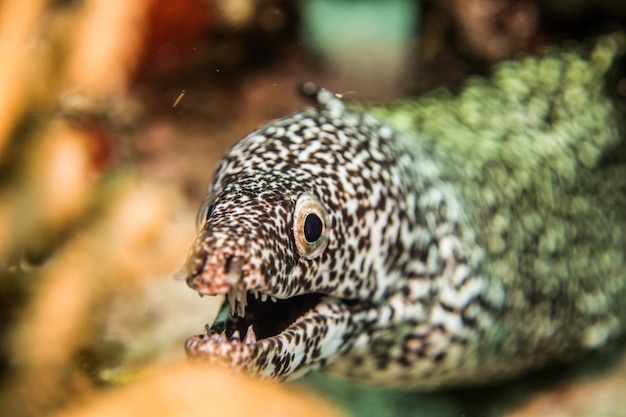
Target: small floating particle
{"type": "Point", "coordinates": [178, 99]}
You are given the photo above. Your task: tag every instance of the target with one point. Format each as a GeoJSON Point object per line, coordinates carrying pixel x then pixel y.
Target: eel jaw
{"type": "Point", "coordinates": [260, 331]}
{"type": "Point", "coordinates": [274, 338]}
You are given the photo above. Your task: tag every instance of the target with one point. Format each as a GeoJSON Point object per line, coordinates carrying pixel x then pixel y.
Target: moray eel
{"type": "Point", "coordinates": [444, 240]}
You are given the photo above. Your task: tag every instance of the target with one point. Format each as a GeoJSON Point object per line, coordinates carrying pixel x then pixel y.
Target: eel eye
{"type": "Point", "coordinates": [205, 210]}
{"type": "Point", "coordinates": [313, 228]}
{"type": "Point", "coordinates": [309, 226]}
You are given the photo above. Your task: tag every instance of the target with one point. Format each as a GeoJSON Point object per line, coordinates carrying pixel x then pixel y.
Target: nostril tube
{"type": "Point", "coordinates": [190, 279]}
{"type": "Point", "coordinates": [233, 270]}
{"type": "Point", "coordinates": [193, 267]}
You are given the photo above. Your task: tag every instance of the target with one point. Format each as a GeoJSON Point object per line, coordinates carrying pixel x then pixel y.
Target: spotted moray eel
{"type": "Point", "coordinates": [450, 239]}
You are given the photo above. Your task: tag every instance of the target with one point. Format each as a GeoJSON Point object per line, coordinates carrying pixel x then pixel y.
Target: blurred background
{"type": "Point", "coordinates": [113, 114]}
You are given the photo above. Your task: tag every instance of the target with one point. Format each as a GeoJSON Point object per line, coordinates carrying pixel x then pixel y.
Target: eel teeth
{"type": "Point", "coordinates": [250, 335]}
{"type": "Point", "coordinates": [235, 338]}
{"type": "Point", "coordinates": [265, 296]}
{"type": "Point", "coordinates": [238, 302]}
{"type": "Point", "coordinates": [221, 337]}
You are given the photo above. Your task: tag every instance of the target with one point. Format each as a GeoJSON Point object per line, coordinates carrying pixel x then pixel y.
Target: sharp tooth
{"type": "Point", "coordinates": [263, 297]}
{"type": "Point", "coordinates": [238, 300]}
{"type": "Point", "coordinates": [273, 298]}
{"type": "Point", "coordinates": [232, 297]}
{"type": "Point", "coordinates": [242, 297]}
{"type": "Point", "coordinates": [236, 337]}
{"type": "Point", "coordinates": [250, 335]}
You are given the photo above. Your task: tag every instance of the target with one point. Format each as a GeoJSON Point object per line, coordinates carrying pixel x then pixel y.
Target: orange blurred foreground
{"type": "Point", "coordinates": [197, 391]}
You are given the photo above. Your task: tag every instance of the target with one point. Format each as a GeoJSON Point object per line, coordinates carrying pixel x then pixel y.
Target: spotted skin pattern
{"type": "Point", "coordinates": [451, 258]}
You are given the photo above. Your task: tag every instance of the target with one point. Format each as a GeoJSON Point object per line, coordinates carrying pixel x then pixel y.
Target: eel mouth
{"type": "Point", "coordinates": [276, 338]}
{"type": "Point", "coordinates": [266, 336]}
{"type": "Point", "coordinates": [259, 316]}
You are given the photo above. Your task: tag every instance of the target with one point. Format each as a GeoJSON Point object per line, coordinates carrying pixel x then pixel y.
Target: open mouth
{"type": "Point", "coordinates": [255, 316]}
{"type": "Point", "coordinates": [266, 336]}
{"type": "Point", "coordinates": [276, 338]}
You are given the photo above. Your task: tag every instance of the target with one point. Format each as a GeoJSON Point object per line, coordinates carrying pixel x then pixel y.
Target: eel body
{"type": "Point", "coordinates": [450, 239]}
